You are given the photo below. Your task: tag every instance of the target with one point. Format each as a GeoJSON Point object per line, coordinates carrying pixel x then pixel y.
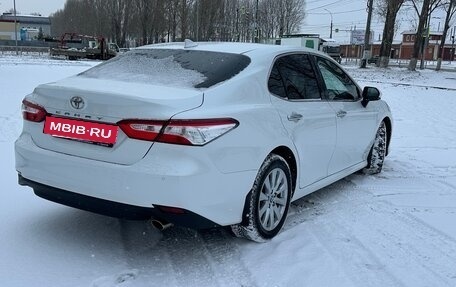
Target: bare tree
{"type": "Point", "coordinates": [172, 12]}
{"type": "Point", "coordinates": [80, 16]}
{"type": "Point", "coordinates": [450, 7]}
{"type": "Point", "coordinates": [391, 9]}
{"type": "Point", "coordinates": [141, 20]}
{"type": "Point", "coordinates": [118, 12]}
{"type": "Point", "coordinates": [294, 15]}
{"type": "Point", "coordinates": [158, 27]}
{"type": "Point", "coordinates": [184, 17]}
{"type": "Point", "coordinates": [152, 21]}
{"type": "Point", "coordinates": [267, 20]}
{"type": "Point", "coordinates": [427, 7]}
{"type": "Point", "coordinates": [11, 11]}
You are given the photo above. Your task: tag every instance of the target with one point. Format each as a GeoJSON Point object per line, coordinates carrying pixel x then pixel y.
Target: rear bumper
{"type": "Point", "coordinates": [167, 176]}
{"type": "Point", "coordinates": [115, 209]}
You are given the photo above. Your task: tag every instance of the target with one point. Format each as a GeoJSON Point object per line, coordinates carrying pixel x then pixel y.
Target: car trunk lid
{"type": "Point", "coordinates": [108, 102]}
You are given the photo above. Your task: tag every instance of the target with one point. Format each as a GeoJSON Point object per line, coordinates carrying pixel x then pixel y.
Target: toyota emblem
{"type": "Point", "coordinates": [77, 103]}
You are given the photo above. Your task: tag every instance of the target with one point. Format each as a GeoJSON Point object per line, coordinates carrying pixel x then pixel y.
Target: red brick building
{"type": "Point", "coordinates": [351, 51]}
{"type": "Point", "coordinates": [431, 50]}
{"type": "Point", "coordinates": [356, 51]}
{"type": "Point", "coordinates": [395, 49]}
{"type": "Point", "coordinates": [404, 49]}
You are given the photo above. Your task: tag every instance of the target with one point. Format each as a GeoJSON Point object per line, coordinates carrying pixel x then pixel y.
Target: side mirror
{"type": "Point", "coordinates": [370, 94]}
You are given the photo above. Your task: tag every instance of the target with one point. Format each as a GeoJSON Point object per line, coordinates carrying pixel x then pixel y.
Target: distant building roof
{"type": "Point", "coordinates": [301, 35]}
{"type": "Point", "coordinates": [395, 42]}
{"type": "Point", "coordinates": [26, 19]}
{"type": "Point", "coordinates": [414, 32]}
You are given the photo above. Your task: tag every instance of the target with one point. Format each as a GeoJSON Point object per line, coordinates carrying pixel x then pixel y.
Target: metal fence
{"type": "Point", "coordinates": [24, 50]}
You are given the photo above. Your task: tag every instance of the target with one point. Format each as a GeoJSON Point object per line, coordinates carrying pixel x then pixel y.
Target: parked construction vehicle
{"type": "Point", "coordinates": [75, 46]}
{"type": "Point", "coordinates": [314, 41]}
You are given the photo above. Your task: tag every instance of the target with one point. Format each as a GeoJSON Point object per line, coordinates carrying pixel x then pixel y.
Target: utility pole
{"type": "Point", "coordinates": [426, 41]}
{"type": "Point", "coordinates": [331, 25]}
{"type": "Point", "coordinates": [446, 26]}
{"type": "Point", "coordinates": [197, 20]}
{"type": "Point", "coordinates": [366, 54]}
{"type": "Point", "coordinates": [257, 32]}
{"type": "Point", "coordinates": [15, 26]}
{"type": "Point", "coordinates": [237, 26]}
{"type": "Point", "coordinates": [453, 31]}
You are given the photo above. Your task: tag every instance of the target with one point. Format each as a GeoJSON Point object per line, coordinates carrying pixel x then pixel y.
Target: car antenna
{"type": "Point", "coordinates": [190, 44]}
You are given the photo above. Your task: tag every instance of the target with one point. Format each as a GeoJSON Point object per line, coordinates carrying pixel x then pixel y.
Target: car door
{"type": "Point", "coordinates": [355, 123]}
{"type": "Point", "coordinates": [309, 120]}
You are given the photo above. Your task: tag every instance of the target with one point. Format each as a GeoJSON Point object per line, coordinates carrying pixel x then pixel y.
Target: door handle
{"type": "Point", "coordinates": [294, 117]}
{"type": "Point", "coordinates": [341, 114]}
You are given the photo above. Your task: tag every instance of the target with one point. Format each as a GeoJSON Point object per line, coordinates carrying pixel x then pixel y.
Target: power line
{"type": "Point", "coordinates": [326, 5]}
{"type": "Point", "coordinates": [315, 1]}
{"type": "Point", "coordinates": [337, 24]}
{"type": "Point", "coordinates": [342, 12]}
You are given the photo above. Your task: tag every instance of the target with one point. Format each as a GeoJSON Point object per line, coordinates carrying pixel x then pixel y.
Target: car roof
{"type": "Point", "coordinates": [228, 47]}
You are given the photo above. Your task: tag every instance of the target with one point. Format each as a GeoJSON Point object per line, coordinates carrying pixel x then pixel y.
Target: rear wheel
{"type": "Point", "coordinates": [378, 151]}
{"type": "Point", "coordinates": [267, 203]}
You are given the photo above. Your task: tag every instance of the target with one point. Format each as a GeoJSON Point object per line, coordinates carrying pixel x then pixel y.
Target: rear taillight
{"type": "Point", "coordinates": [141, 129]}
{"type": "Point", "coordinates": [183, 132]}
{"type": "Point", "coordinates": [33, 112]}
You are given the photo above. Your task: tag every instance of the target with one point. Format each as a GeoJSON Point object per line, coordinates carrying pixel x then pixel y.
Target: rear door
{"type": "Point", "coordinates": [309, 120]}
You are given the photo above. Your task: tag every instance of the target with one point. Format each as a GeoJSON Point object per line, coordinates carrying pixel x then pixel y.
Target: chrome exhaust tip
{"type": "Point", "coordinates": [160, 225]}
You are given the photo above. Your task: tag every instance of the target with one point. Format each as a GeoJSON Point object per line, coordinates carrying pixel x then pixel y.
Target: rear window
{"type": "Point", "coordinates": [168, 67]}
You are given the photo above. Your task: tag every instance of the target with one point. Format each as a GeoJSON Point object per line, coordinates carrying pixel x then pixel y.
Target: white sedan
{"type": "Point", "coordinates": [201, 135]}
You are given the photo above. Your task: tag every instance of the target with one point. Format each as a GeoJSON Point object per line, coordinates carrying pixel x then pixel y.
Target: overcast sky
{"type": "Point", "coordinates": [351, 14]}
{"type": "Point", "coordinates": [44, 7]}
{"type": "Point", "coordinates": [346, 14]}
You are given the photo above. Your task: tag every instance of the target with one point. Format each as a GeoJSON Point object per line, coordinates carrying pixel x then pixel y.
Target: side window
{"type": "Point", "coordinates": [339, 86]}
{"type": "Point", "coordinates": [275, 83]}
{"type": "Point", "coordinates": [293, 77]}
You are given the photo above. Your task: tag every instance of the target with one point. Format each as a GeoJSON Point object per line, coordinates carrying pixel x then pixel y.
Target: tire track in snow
{"type": "Point", "coordinates": [435, 243]}
{"type": "Point", "coordinates": [146, 260]}
{"type": "Point", "coordinates": [429, 251]}
{"type": "Point", "coordinates": [447, 185]}
{"type": "Point", "coordinates": [341, 217]}
{"type": "Point", "coordinates": [359, 263]}
{"type": "Point", "coordinates": [187, 257]}
{"type": "Point", "coordinates": [396, 235]}
{"type": "Point", "coordinates": [204, 258]}
{"type": "Point", "coordinates": [225, 257]}
{"type": "Point", "coordinates": [330, 229]}
{"type": "Point", "coordinates": [10, 128]}
{"type": "Point", "coordinates": [177, 257]}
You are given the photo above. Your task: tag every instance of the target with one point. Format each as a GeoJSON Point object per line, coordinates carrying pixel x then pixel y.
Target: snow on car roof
{"type": "Point", "coordinates": [226, 47]}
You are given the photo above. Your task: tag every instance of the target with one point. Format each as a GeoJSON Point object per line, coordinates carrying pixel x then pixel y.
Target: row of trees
{"type": "Point", "coordinates": [152, 21]}
{"type": "Point", "coordinates": [423, 9]}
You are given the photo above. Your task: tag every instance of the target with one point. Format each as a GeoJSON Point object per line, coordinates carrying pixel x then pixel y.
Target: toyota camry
{"type": "Point", "coordinates": [201, 135]}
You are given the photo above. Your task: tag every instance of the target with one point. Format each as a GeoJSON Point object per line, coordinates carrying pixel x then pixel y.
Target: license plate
{"type": "Point", "coordinates": [81, 130]}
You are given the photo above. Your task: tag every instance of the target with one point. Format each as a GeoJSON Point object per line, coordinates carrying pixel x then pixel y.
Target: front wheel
{"type": "Point", "coordinates": [268, 202]}
{"type": "Point", "coordinates": [378, 151]}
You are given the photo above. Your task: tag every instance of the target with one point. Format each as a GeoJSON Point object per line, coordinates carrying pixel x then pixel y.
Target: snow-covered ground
{"type": "Point", "coordinates": [394, 229]}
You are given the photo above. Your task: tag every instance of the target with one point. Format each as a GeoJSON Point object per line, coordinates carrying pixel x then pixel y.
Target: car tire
{"type": "Point", "coordinates": [268, 202]}
{"type": "Point", "coordinates": [377, 153]}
